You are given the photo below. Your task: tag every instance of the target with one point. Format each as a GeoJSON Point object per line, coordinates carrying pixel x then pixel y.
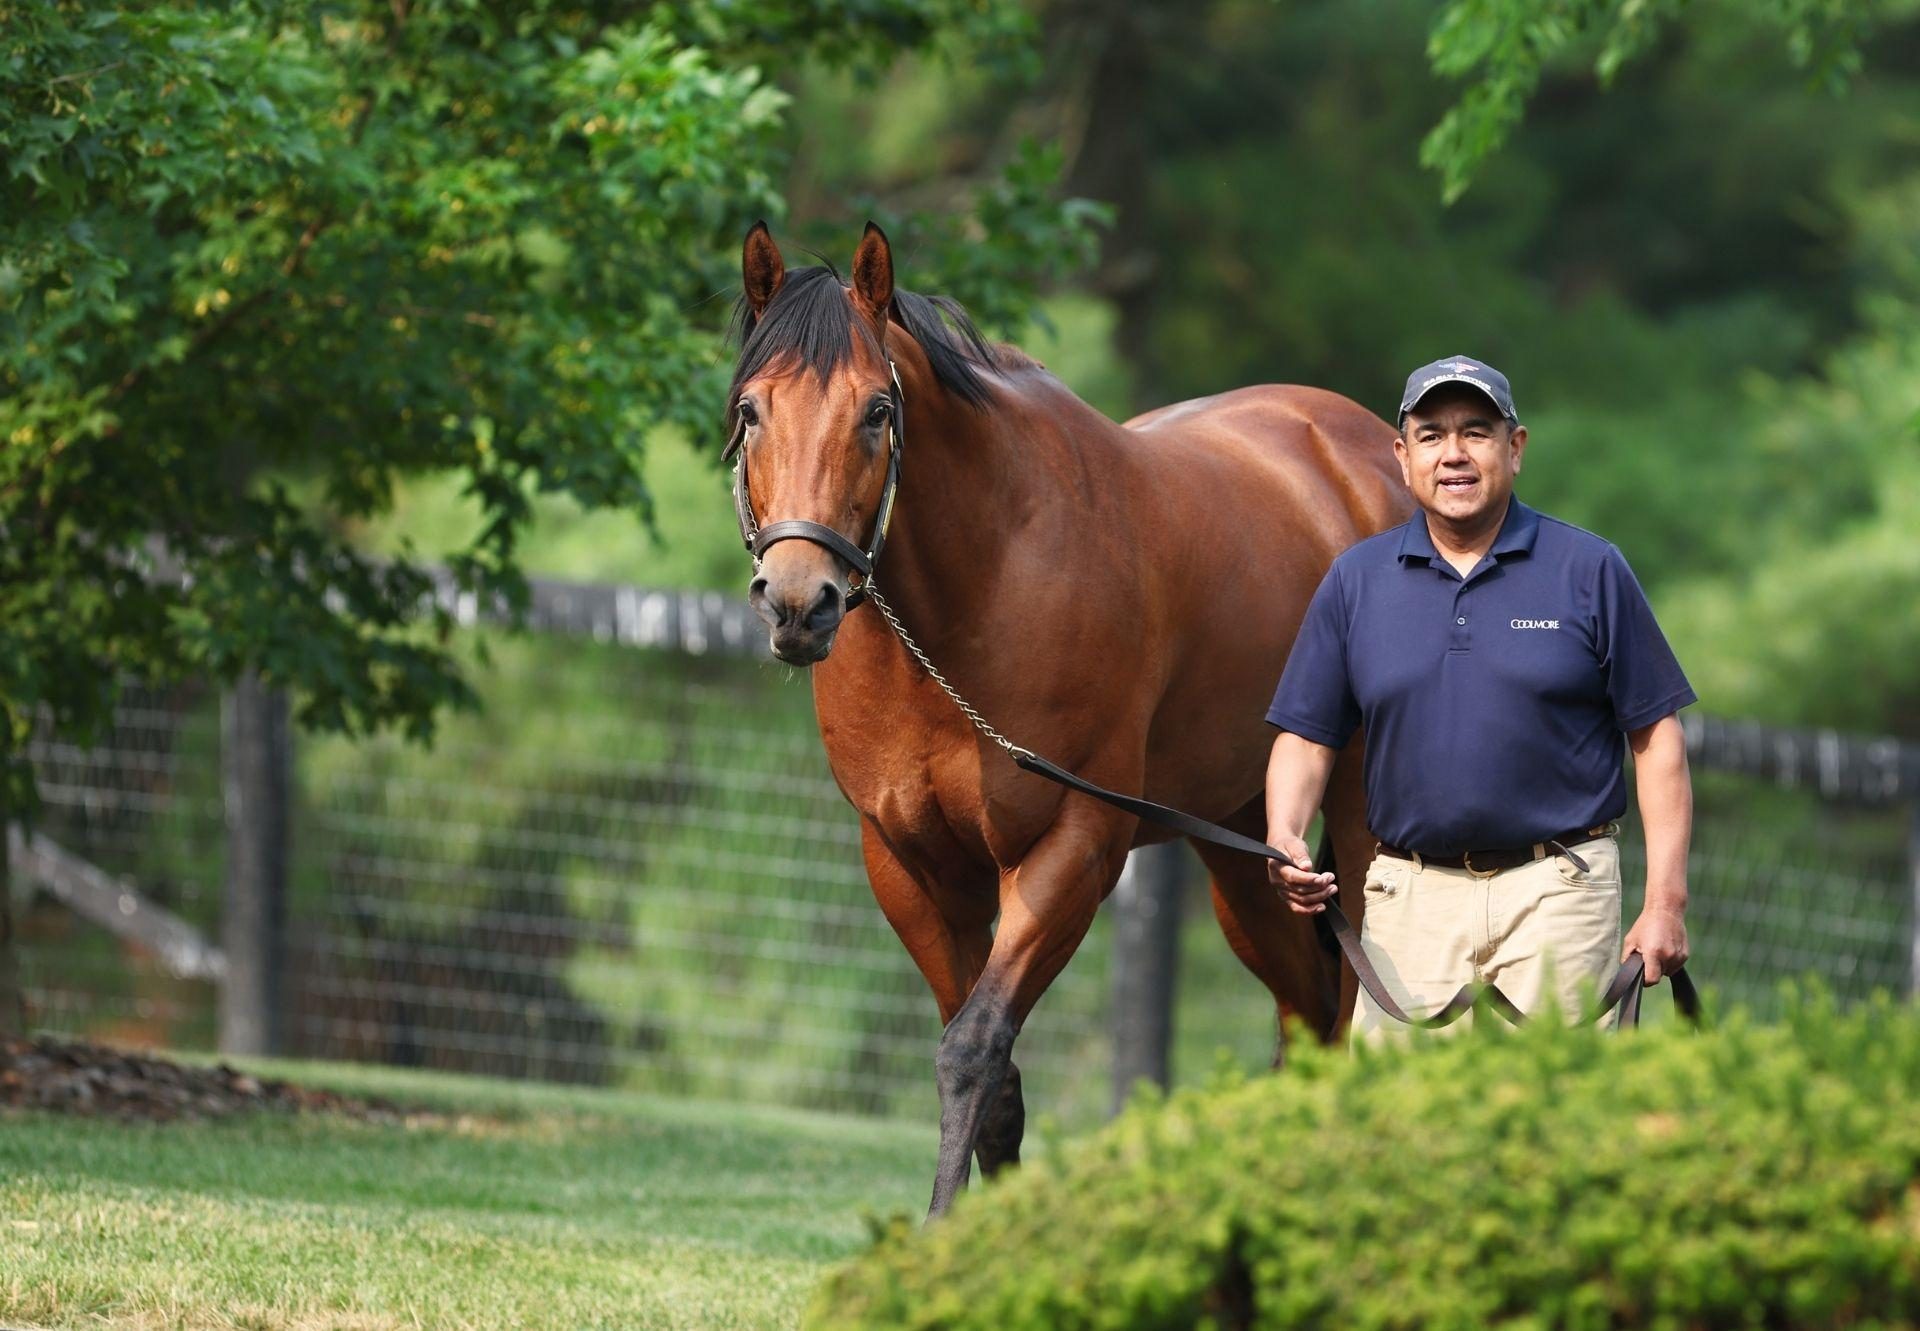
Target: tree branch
{"type": "Point", "coordinates": [288, 267]}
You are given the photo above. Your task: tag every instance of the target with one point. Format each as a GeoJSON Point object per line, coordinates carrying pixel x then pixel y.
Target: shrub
{"type": "Point", "coordinates": [1745, 1176]}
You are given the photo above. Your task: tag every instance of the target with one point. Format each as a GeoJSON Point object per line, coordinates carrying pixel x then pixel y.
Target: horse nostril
{"type": "Point", "coordinates": [774, 615]}
{"type": "Point", "coordinates": [826, 609]}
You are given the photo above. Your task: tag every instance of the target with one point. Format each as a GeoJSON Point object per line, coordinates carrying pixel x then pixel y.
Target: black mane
{"type": "Point", "coordinates": [810, 321]}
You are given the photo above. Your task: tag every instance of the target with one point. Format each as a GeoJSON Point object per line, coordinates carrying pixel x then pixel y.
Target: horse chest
{"type": "Point", "coordinates": [919, 776]}
{"type": "Point", "coordinates": [902, 777]}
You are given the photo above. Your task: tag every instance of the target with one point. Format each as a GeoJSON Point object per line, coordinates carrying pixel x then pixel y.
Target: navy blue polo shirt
{"type": "Point", "coordinates": [1495, 705]}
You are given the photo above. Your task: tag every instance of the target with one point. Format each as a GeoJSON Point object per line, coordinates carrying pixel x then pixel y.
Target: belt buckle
{"type": "Point", "coordinates": [1466, 862]}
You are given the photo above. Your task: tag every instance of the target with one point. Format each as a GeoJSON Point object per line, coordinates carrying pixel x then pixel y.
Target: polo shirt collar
{"type": "Point", "coordinates": [1415, 543]}
{"type": "Point", "coordinates": [1517, 530]}
{"type": "Point", "coordinates": [1517, 533]}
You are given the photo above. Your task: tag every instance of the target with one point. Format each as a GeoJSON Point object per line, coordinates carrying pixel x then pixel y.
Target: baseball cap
{"type": "Point", "coordinates": [1458, 370]}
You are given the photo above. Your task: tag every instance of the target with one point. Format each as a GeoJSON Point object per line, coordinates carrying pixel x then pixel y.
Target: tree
{"type": "Point", "coordinates": [1505, 46]}
{"type": "Point", "coordinates": [1818, 627]}
{"type": "Point", "coordinates": [1810, 624]}
{"type": "Point", "coordinates": [261, 258]}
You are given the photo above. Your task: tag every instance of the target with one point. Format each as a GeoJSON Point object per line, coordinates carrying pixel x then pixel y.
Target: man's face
{"type": "Point", "coordinates": [1459, 455]}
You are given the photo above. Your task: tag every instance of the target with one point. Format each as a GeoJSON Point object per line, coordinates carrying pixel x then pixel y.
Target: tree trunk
{"type": "Point", "coordinates": [1133, 43]}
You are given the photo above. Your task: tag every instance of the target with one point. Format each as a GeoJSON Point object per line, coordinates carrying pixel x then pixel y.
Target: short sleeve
{"type": "Point", "coordinates": [1315, 697]}
{"type": "Point", "coordinates": [1644, 681]}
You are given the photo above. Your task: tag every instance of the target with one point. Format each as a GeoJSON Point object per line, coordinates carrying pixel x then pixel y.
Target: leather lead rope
{"type": "Point", "coordinates": [1622, 992]}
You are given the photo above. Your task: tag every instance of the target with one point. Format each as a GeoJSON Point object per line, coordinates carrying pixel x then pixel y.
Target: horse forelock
{"type": "Point", "coordinates": [807, 324]}
{"type": "Point", "coordinates": [811, 325]}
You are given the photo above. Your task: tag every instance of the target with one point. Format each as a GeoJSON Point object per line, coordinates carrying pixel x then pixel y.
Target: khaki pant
{"type": "Point", "coordinates": [1541, 931]}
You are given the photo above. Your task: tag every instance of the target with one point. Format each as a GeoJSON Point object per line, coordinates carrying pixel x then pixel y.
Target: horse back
{"type": "Point", "coordinates": [1289, 442]}
{"type": "Point", "coordinates": [1253, 494]}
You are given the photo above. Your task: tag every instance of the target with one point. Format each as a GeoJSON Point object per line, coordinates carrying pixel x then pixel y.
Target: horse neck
{"type": "Point", "coordinates": [974, 482]}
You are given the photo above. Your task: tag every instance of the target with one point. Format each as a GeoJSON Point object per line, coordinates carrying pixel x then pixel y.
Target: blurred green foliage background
{"type": "Point", "coordinates": [1702, 280]}
{"type": "Point", "coordinates": [284, 286]}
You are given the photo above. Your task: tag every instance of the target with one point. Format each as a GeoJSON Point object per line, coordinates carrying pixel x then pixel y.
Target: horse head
{"type": "Point", "coordinates": [814, 418]}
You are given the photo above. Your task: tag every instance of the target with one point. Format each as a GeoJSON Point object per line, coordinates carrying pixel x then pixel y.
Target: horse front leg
{"type": "Point", "coordinates": [947, 928]}
{"type": "Point", "coordinates": [1047, 903]}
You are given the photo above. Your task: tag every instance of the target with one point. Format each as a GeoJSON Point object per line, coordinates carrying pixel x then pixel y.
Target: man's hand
{"type": "Point", "coordinates": [1306, 891]}
{"type": "Point", "coordinates": [1666, 811]}
{"type": "Point", "coordinates": [1660, 937]}
{"type": "Point", "coordinates": [1297, 772]}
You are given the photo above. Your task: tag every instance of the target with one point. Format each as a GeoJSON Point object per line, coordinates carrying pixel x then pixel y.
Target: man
{"type": "Point", "coordinates": [1500, 661]}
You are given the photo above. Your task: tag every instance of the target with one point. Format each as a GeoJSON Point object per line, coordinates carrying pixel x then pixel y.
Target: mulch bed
{"type": "Point", "coordinates": [90, 1080]}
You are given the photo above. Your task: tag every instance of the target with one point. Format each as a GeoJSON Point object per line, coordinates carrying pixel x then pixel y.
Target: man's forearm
{"type": "Point", "coordinates": [1666, 810]}
{"type": "Point", "coordinates": [1297, 772]}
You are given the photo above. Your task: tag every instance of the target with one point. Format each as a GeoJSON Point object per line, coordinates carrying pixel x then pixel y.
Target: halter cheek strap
{"type": "Point", "coordinates": [758, 539]}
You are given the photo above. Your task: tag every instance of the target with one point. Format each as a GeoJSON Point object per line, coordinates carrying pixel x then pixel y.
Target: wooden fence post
{"type": "Point", "coordinates": [1146, 957]}
{"type": "Point", "coordinates": [256, 768]}
{"type": "Point", "coordinates": [13, 1001]}
{"type": "Point", "coordinates": [1913, 880]}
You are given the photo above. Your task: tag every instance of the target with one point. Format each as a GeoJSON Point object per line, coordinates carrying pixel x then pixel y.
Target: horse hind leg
{"type": "Point", "coordinates": [1343, 811]}
{"type": "Point", "coordinates": [1283, 949]}
{"type": "Point", "coordinates": [1003, 1126]}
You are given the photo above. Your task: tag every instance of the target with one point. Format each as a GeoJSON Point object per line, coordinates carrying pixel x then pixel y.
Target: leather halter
{"type": "Point", "coordinates": [758, 539]}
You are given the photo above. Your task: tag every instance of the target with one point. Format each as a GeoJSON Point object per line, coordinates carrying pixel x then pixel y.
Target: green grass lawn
{"type": "Point", "coordinates": [513, 1207]}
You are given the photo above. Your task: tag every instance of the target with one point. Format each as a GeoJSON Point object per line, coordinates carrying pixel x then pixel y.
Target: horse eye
{"type": "Point", "coordinates": [877, 414]}
{"type": "Point", "coordinates": [748, 416]}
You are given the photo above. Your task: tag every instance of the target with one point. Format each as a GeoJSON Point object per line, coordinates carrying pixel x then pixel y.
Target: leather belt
{"type": "Point", "coordinates": [1485, 863]}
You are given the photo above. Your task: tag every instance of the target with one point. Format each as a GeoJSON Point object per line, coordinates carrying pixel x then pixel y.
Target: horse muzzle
{"type": "Point", "coordinates": [802, 615]}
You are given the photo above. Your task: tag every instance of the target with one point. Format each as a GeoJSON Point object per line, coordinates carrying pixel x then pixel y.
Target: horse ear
{"type": "Point", "coordinates": [873, 272]}
{"type": "Point", "coordinates": [761, 268]}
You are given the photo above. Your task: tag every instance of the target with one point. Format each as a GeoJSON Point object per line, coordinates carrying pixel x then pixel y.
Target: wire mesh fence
{"type": "Point", "coordinates": [634, 868]}
{"type": "Point", "coordinates": [144, 803]}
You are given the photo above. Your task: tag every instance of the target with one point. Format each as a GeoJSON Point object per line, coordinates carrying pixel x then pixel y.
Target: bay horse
{"type": "Point", "coordinates": [1119, 598]}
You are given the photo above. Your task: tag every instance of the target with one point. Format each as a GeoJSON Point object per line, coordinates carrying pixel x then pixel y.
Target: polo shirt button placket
{"type": "Point", "coordinates": [1460, 639]}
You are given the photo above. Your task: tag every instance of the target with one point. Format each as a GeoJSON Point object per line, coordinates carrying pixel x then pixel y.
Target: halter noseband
{"type": "Point", "coordinates": [758, 539]}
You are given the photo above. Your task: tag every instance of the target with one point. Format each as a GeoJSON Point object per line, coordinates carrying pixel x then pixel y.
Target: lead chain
{"type": "Point", "coordinates": [966, 708]}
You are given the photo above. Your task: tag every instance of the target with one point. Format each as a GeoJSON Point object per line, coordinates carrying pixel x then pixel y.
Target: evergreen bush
{"type": "Point", "coordinates": [1747, 1176]}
